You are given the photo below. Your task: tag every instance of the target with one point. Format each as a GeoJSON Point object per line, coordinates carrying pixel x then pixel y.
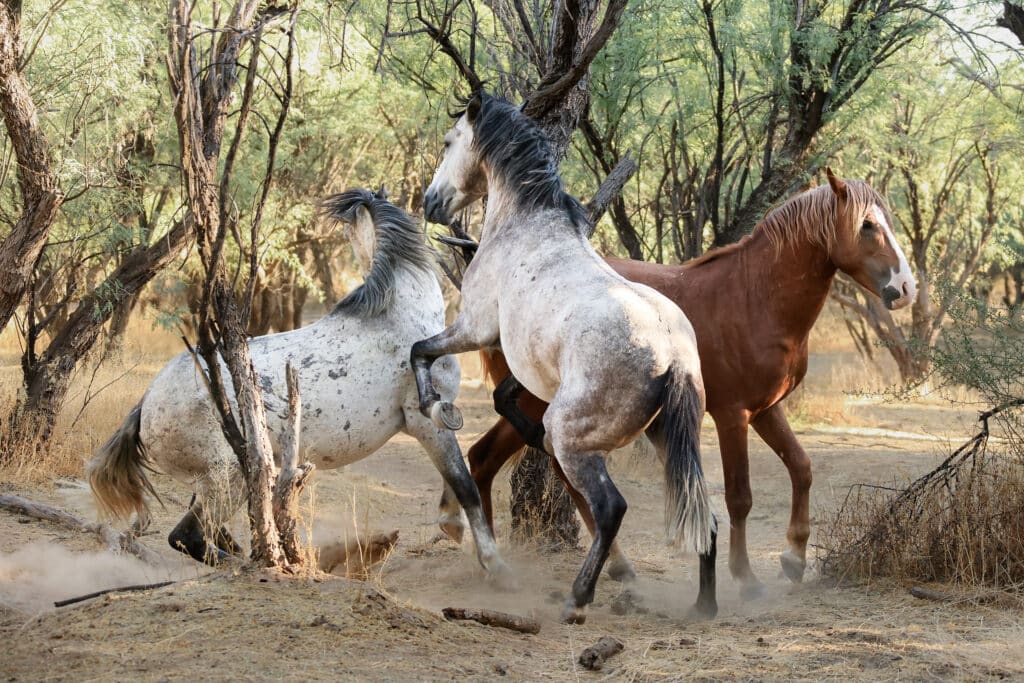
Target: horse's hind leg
{"type": "Point", "coordinates": [619, 567]}
{"type": "Point", "coordinates": [773, 427]}
{"type": "Point", "coordinates": [443, 449]}
{"type": "Point", "coordinates": [189, 537]}
{"type": "Point", "coordinates": [587, 474]}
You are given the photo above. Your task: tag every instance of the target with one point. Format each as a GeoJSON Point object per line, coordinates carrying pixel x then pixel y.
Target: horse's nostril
{"type": "Point", "coordinates": [906, 289]}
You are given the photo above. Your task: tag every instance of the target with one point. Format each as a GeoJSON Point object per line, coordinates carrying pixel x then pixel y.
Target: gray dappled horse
{"type": "Point", "coordinates": [612, 358]}
{"type": "Point", "coordinates": [357, 392]}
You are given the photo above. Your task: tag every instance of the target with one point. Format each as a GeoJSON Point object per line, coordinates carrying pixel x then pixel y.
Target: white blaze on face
{"type": "Point", "coordinates": [901, 278]}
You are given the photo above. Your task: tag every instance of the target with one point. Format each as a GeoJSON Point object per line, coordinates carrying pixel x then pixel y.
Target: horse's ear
{"type": "Point", "coordinates": [837, 184]}
{"type": "Point", "coordinates": [382, 193]}
{"type": "Point", "coordinates": [473, 106]}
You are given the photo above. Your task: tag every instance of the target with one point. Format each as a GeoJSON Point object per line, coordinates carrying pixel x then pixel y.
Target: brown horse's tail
{"type": "Point", "coordinates": [117, 472]}
{"type": "Point", "coordinates": [687, 507]}
{"type": "Point", "coordinates": [494, 366]}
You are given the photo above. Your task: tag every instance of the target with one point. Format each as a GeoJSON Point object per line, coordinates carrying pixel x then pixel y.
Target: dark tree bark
{"type": "Point", "coordinates": [1012, 19]}
{"type": "Point", "coordinates": [41, 195]}
{"type": "Point", "coordinates": [869, 33]}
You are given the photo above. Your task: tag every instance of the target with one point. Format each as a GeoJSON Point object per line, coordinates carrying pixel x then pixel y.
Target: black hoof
{"type": "Point", "coordinates": [573, 615]}
{"type": "Point", "coordinates": [704, 611]}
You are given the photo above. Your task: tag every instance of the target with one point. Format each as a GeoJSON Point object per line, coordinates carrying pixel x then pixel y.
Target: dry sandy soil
{"type": "Point", "coordinates": [254, 625]}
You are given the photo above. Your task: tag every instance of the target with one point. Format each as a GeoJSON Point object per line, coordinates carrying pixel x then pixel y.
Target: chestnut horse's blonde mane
{"type": "Point", "coordinates": [809, 216]}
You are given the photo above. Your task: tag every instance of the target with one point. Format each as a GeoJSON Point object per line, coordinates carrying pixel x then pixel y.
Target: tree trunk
{"type": "Point", "coordinates": [541, 507]}
{"type": "Point", "coordinates": [48, 377]}
{"type": "Point", "coordinates": [119, 320]}
{"type": "Point", "coordinates": [41, 196]}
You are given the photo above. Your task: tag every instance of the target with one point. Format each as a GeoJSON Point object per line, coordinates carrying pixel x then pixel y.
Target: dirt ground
{"type": "Point", "coordinates": [253, 625]}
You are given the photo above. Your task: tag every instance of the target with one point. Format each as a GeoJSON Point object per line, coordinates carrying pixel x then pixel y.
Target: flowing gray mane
{"type": "Point", "coordinates": [398, 244]}
{"type": "Point", "coordinates": [514, 146]}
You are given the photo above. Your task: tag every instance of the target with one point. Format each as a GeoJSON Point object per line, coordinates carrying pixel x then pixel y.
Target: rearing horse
{"type": "Point", "coordinates": [611, 357]}
{"type": "Point", "coordinates": [752, 305]}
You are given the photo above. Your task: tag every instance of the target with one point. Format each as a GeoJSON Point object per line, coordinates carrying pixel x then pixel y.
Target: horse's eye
{"type": "Point", "coordinates": [868, 226]}
{"type": "Point", "coordinates": [447, 144]}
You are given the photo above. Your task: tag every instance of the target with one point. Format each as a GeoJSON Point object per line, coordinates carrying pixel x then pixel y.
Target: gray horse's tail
{"type": "Point", "coordinates": [117, 472]}
{"type": "Point", "coordinates": [687, 507]}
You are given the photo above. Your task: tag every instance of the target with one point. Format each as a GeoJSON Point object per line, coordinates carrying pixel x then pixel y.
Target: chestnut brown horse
{"type": "Point", "coordinates": [752, 305]}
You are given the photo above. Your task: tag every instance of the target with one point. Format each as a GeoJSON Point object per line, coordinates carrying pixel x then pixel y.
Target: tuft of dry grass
{"type": "Point", "coordinates": [962, 523]}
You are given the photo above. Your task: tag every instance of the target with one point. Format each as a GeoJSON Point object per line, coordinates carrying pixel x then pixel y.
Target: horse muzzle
{"type": "Point", "coordinates": [894, 298]}
{"type": "Point", "coordinates": [435, 207]}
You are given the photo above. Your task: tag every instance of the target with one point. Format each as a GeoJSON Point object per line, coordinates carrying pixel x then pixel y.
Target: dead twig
{"type": "Point", "coordinates": [292, 477]}
{"type": "Point", "coordinates": [122, 589]}
{"type": "Point", "coordinates": [488, 617]}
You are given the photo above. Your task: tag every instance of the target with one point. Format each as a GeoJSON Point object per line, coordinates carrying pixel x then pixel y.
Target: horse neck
{"type": "Point", "coordinates": [799, 276]}
{"type": "Point", "coordinates": [505, 210]}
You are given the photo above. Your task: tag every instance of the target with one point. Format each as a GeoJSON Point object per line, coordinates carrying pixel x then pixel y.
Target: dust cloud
{"type": "Point", "coordinates": [35, 575]}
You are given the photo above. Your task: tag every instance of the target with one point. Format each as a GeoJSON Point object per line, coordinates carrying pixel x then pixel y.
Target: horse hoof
{"type": "Point", "coordinates": [704, 610]}
{"type": "Point", "coordinates": [444, 415]}
{"type": "Point", "coordinates": [453, 529]}
{"type": "Point", "coordinates": [752, 590]}
{"type": "Point", "coordinates": [792, 566]}
{"type": "Point", "coordinates": [504, 580]}
{"type": "Point", "coordinates": [621, 571]}
{"type": "Point", "coordinates": [573, 615]}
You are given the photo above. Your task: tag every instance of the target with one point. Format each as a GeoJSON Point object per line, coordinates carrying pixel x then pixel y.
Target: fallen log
{"type": "Point", "coordinates": [124, 542]}
{"type": "Point", "coordinates": [121, 589]}
{"type": "Point", "coordinates": [593, 657]}
{"type": "Point", "coordinates": [488, 617]}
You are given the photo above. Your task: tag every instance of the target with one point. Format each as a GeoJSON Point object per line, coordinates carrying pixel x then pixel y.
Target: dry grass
{"type": "Point", "coordinates": [100, 398]}
{"type": "Point", "coordinates": [961, 523]}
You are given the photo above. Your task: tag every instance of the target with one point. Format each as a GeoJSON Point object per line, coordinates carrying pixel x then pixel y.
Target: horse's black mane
{"type": "Point", "coordinates": [399, 243]}
{"type": "Point", "coordinates": [516, 147]}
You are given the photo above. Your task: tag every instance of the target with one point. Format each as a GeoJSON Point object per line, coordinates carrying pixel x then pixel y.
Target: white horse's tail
{"type": "Point", "coordinates": [117, 472]}
{"type": "Point", "coordinates": [687, 508]}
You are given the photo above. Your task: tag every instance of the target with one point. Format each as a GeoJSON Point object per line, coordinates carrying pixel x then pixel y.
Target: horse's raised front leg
{"type": "Point", "coordinates": [526, 422]}
{"type": "Point", "coordinates": [458, 338]}
{"type": "Point", "coordinates": [773, 427]}
{"type": "Point", "coordinates": [443, 449]}
{"type": "Point", "coordinates": [732, 439]}
{"type": "Point", "coordinates": [486, 458]}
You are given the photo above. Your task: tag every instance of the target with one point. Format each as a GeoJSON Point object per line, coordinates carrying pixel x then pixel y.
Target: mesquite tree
{"type": "Point", "coordinates": [203, 83]}
{"type": "Point", "coordinates": [64, 309]}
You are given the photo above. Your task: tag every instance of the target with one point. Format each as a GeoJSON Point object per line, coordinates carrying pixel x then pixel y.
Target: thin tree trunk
{"type": "Point", "coordinates": [41, 196]}
{"type": "Point", "coordinates": [48, 377]}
